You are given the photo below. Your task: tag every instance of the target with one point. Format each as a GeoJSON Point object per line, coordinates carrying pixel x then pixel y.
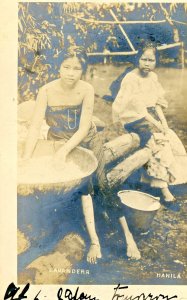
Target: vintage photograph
{"type": "Point", "coordinates": [101, 131]}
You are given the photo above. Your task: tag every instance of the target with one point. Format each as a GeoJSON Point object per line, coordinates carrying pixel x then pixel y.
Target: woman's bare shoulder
{"type": "Point", "coordinates": [85, 84]}
{"type": "Point", "coordinates": [50, 85]}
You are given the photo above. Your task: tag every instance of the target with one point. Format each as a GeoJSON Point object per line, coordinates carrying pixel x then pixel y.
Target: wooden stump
{"type": "Point", "coordinates": [121, 146]}
{"type": "Point", "coordinates": [124, 169]}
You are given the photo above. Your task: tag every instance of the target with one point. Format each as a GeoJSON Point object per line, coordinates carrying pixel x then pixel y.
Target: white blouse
{"type": "Point", "coordinates": [135, 96]}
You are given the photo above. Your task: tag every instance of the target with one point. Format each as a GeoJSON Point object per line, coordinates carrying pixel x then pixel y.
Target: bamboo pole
{"type": "Point", "coordinates": [179, 22]}
{"type": "Point", "coordinates": [122, 30]}
{"type": "Point", "coordinates": [166, 14]}
{"type": "Point", "coordinates": [182, 61]}
{"type": "Point", "coordinates": [116, 22]}
{"type": "Point", "coordinates": [112, 53]}
{"type": "Point", "coordinates": [182, 56]}
{"type": "Point", "coordinates": [163, 47]}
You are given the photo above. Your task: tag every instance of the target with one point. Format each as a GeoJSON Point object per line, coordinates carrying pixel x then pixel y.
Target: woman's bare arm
{"type": "Point", "coordinates": [152, 120]}
{"type": "Point", "coordinates": [37, 119]}
{"type": "Point", "coordinates": [162, 117]}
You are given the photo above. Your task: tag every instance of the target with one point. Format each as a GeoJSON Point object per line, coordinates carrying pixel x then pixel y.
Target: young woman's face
{"type": "Point", "coordinates": [70, 71]}
{"type": "Point", "coordinates": [147, 61]}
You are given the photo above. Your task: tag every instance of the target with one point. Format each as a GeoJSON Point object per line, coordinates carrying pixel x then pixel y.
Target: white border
{"type": "Point", "coordinates": [8, 208]}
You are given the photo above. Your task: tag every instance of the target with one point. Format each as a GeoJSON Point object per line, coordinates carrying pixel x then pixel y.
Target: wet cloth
{"type": "Point", "coordinates": [161, 163]}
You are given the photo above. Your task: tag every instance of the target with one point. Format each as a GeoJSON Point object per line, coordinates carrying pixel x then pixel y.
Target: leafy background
{"type": "Point", "coordinates": [45, 29]}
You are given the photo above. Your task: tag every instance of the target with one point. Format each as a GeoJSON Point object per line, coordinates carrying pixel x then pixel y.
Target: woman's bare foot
{"type": "Point", "coordinates": [168, 197]}
{"type": "Point", "coordinates": [132, 250]}
{"type": "Point", "coordinates": [94, 253]}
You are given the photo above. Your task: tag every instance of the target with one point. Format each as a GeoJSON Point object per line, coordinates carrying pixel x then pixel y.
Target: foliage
{"type": "Point", "coordinates": [46, 28]}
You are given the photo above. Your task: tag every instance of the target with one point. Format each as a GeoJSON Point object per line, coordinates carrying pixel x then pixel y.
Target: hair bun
{"type": "Point", "coordinates": [147, 44]}
{"type": "Point", "coordinates": [76, 51]}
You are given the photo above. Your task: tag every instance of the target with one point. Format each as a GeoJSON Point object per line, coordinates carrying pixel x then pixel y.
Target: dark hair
{"type": "Point", "coordinates": [75, 51]}
{"type": "Point", "coordinates": [145, 45]}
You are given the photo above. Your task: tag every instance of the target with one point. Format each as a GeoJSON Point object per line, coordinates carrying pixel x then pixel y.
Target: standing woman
{"type": "Point", "coordinates": [67, 105]}
{"type": "Point", "coordinates": [138, 106]}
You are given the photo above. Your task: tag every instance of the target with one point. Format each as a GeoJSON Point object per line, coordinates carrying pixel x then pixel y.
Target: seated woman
{"type": "Point", "coordinates": [138, 106]}
{"type": "Point", "coordinates": [67, 105]}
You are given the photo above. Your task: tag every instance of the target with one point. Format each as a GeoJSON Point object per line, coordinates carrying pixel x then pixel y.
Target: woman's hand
{"type": "Point", "coordinates": [153, 121]}
{"type": "Point", "coordinates": [158, 125]}
{"type": "Point", "coordinates": [60, 158]}
{"type": "Point", "coordinates": [161, 127]}
{"type": "Point", "coordinates": [165, 128]}
{"type": "Point", "coordinates": [162, 119]}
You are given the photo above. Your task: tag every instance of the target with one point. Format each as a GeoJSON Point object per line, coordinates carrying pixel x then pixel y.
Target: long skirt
{"type": "Point", "coordinates": [160, 169]}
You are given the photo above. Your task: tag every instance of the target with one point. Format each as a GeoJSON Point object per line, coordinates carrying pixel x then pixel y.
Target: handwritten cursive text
{"type": "Point", "coordinates": [119, 295]}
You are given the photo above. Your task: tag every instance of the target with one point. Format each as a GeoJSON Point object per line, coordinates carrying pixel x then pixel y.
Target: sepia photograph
{"type": "Point", "coordinates": [101, 143]}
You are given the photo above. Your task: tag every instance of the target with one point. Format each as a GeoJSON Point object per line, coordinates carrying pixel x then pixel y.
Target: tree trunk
{"type": "Point", "coordinates": [121, 146]}
{"type": "Point", "coordinates": [124, 169]}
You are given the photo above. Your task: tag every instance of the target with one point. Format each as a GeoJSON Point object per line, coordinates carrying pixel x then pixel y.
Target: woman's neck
{"type": "Point", "coordinates": [67, 88]}
{"type": "Point", "coordinates": [141, 74]}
